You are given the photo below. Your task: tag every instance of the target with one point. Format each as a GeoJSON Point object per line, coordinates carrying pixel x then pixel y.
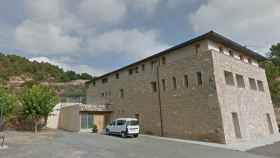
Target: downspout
{"type": "Point", "coordinates": [159, 100]}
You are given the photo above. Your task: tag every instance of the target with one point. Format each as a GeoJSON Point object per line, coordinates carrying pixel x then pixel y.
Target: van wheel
{"type": "Point", "coordinates": [123, 135]}
{"type": "Point", "coordinates": [135, 135]}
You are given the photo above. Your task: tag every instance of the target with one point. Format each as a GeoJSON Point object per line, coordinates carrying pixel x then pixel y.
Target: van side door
{"type": "Point", "coordinates": [121, 126]}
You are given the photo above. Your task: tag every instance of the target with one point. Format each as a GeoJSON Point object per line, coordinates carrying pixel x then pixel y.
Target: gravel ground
{"type": "Point", "coordinates": [59, 144]}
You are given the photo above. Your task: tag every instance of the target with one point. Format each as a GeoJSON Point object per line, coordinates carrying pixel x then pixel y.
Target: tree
{"type": "Point", "coordinates": [272, 68]}
{"type": "Point", "coordinates": [272, 73]}
{"type": "Point", "coordinates": [7, 104]}
{"type": "Point", "coordinates": [86, 76]}
{"type": "Point", "coordinates": [38, 101]}
{"type": "Point", "coordinates": [274, 54]}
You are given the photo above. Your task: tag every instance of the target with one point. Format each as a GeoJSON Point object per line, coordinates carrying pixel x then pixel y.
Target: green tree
{"type": "Point", "coordinates": [38, 101]}
{"type": "Point", "coordinates": [7, 105]}
{"type": "Point", "coordinates": [272, 73]}
{"type": "Point", "coordinates": [274, 54]}
{"type": "Point", "coordinates": [272, 68]}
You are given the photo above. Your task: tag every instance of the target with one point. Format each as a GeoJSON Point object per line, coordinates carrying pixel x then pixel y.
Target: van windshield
{"type": "Point", "coordinates": [132, 123]}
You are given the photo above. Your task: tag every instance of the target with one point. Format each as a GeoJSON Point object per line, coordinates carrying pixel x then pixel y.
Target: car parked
{"type": "Point", "coordinates": [123, 127]}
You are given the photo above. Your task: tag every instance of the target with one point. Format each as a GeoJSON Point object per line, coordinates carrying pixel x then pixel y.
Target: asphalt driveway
{"type": "Point", "coordinates": [61, 144]}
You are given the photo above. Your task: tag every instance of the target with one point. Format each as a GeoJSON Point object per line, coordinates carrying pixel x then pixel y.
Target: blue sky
{"type": "Point", "coordinates": [97, 36]}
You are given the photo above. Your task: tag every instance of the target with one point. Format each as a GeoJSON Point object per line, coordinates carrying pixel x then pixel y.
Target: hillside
{"type": "Point", "coordinates": [16, 69]}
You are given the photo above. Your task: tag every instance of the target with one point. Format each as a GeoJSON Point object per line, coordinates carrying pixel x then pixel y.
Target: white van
{"type": "Point", "coordinates": [124, 127]}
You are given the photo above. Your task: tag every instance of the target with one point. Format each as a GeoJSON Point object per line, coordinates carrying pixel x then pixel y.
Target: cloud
{"type": "Point", "coordinates": [102, 11]}
{"type": "Point", "coordinates": [44, 10]}
{"type": "Point", "coordinates": [65, 66]}
{"type": "Point", "coordinates": [149, 6]}
{"type": "Point", "coordinates": [254, 23]}
{"type": "Point", "coordinates": [130, 43]}
{"type": "Point", "coordinates": [45, 38]}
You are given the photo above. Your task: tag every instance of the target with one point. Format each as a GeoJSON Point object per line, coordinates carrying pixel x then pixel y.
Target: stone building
{"type": "Point", "coordinates": [209, 88]}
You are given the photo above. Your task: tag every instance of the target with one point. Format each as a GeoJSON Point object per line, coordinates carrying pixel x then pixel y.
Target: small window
{"type": "Point", "coordinates": [143, 67]}
{"type": "Point", "coordinates": [221, 49]}
{"type": "Point", "coordinates": [231, 53]}
{"type": "Point", "coordinates": [229, 78]}
{"type": "Point", "coordinates": [130, 71]}
{"type": "Point", "coordinates": [121, 93]}
{"type": "Point", "coordinates": [199, 78]}
{"type": "Point", "coordinates": [136, 70]}
{"type": "Point", "coordinates": [163, 84]}
{"type": "Point", "coordinates": [260, 85]}
{"type": "Point", "coordinates": [197, 47]}
{"type": "Point", "coordinates": [186, 81]}
{"type": "Point", "coordinates": [104, 80]}
{"type": "Point", "coordinates": [153, 65]}
{"type": "Point", "coordinates": [253, 85]}
{"type": "Point", "coordinates": [103, 94]}
{"type": "Point", "coordinates": [174, 81]}
{"type": "Point", "coordinates": [240, 81]}
{"type": "Point", "coordinates": [163, 60]}
{"type": "Point", "coordinates": [154, 86]}
{"type": "Point", "coordinates": [117, 76]}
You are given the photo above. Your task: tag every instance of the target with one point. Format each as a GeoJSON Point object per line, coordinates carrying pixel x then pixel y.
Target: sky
{"type": "Point", "coordinates": [97, 36]}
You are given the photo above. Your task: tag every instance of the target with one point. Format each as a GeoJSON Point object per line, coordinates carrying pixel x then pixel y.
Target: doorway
{"type": "Point", "coordinates": [86, 121]}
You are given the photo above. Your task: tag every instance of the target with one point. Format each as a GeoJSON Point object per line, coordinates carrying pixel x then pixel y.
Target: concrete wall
{"type": "Point", "coordinates": [69, 118]}
{"type": "Point", "coordinates": [53, 118]}
{"type": "Point", "coordinates": [250, 105]}
{"type": "Point", "coordinates": [190, 113]}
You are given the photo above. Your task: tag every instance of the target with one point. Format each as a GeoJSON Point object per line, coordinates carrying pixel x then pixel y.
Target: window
{"type": "Point", "coordinates": [103, 94]}
{"type": "Point", "coordinates": [270, 127]}
{"type": "Point", "coordinates": [197, 47]}
{"type": "Point", "coordinates": [104, 80]}
{"type": "Point", "coordinates": [260, 85]}
{"type": "Point", "coordinates": [221, 49]}
{"type": "Point", "coordinates": [252, 84]}
{"type": "Point", "coordinates": [154, 86]}
{"type": "Point", "coordinates": [143, 67]}
{"type": "Point", "coordinates": [174, 81]}
{"type": "Point", "coordinates": [229, 78]}
{"type": "Point", "coordinates": [130, 71]}
{"type": "Point", "coordinates": [186, 81]}
{"type": "Point", "coordinates": [136, 70]}
{"type": "Point", "coordinates": [236, 125]}
{"type": "Point", "coordinates": [163, 60]}
{"type": "Point", "coordinates": [163, 84]}
{"type": "Point", "coordinates": [240, 81]}
{"type": "Point", "coordinates": [121, 93]}
{"type": "Point", "coordinates": [153, 65]}
{"type": "Point", "coordinates": [199, 78]}
{"type": "Point", "coordinates": [121, 122]}
{"type": "Point", "coordinates": [231, 53]}
{"type": "Point", "coordinates": [117, 76]}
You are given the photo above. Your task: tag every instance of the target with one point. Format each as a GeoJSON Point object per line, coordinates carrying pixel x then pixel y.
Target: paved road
{"type": "Point", "coordinates": [269, 150]}
{"type": "Point", "coordinates": [86, 145]}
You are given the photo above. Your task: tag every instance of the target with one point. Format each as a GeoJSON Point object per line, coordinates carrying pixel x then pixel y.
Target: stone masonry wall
{"type": "Point", "coordinates": [250, 105]}
{"type": "Point", "coordinates": [187, 112]}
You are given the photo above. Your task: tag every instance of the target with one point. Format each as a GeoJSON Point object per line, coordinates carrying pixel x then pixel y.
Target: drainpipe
{"type": "Point", "coordinates": [159, 99]}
